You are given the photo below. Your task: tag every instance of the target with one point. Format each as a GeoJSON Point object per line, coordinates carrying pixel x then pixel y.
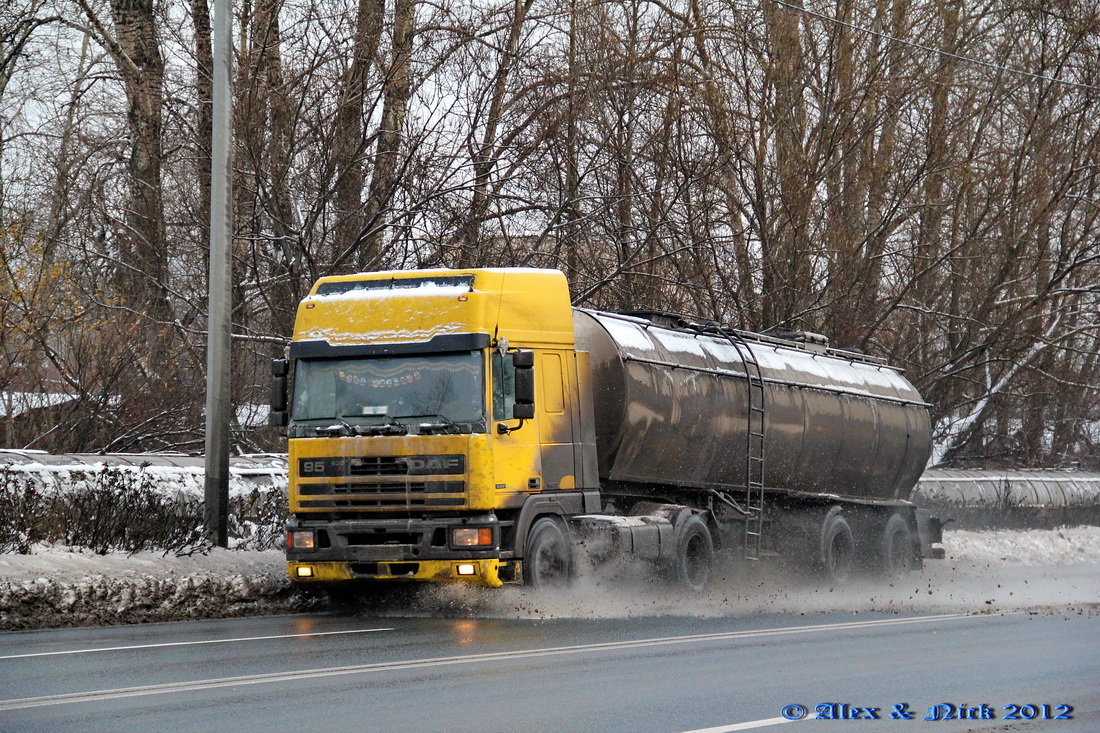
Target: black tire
{"type": "Point", "coordinates": [838, 547]}
{"type": "Point", "coordinates": [694, 562]}
{"type": "Point", "coordinates": [896, 555]}
{"type": "Point", "coordinates": [548, 559]}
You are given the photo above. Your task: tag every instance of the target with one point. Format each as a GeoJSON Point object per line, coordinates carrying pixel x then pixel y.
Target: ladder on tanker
{"type": "Point", "coordinates": [754, 453]}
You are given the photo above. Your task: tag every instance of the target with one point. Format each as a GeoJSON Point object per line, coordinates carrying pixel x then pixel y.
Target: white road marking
{"type": "Point", "coordinates": [189, 643]}
{"type": "Point", "coordinates": [271, 678]}
{"type": "Point", "coordinates": [747, 726]}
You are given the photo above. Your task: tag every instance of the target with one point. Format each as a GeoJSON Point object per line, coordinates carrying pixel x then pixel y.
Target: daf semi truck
{"type": "Point", "coordinates": [472, 425]}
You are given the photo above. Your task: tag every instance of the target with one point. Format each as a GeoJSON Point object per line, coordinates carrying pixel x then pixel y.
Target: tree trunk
{"type": "Point", "coordinates": [486, 156]}
{"type": "Point", "coordinates": [349, 135]}
{"type": "Point", "coordinates": [204, 119]}
{"type": "Point", "coordinates": [787, 272]}
{"type": "Point", "coordinates": [144, 258]}
{"type": "Point", "coordinates": [387, 154]}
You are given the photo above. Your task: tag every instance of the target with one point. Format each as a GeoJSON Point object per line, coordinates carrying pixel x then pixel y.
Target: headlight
{"type": "Point", "coordinates": [301, 539]}
{"type": "Point", "coordinates": [472, 537]}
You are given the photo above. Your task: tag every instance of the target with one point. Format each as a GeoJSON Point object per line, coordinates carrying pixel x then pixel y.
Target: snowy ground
{"type": "Point", "coordinates": [1035, 570]}
{"type": "Point", "coordinates": [56, 587]}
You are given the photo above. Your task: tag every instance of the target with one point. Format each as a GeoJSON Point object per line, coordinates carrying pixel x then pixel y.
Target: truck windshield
{"type": "Point", "coordinates": [378, 390]}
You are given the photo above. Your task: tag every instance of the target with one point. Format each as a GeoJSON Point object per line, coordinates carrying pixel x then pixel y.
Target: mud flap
{"type": "Point", "coordinates": [930, 531]}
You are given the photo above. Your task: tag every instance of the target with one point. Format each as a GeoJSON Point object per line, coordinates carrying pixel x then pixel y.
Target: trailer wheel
{"type": "Point", "coordinates": [837, 547]}
{"type": "Point", "coordinates": [548, 559]}
{"type": "Point", "coordinates": [694, 561]}
{"type": "Point", "coordinates": [896, 555]}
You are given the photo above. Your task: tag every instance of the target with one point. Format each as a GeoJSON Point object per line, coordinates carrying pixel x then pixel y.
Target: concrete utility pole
{"type": "Point", "coordinates": [219, 329]}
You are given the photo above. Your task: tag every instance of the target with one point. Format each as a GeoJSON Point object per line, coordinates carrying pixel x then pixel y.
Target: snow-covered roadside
{"type": "Point", "coordinates": [1000, 570]}
{"type": "Point", "coordinates": [58, 587]}
{"type": "Point", "coordinates": [59, 564]}
{"type": "Point", "coordinates": [1029, 548]}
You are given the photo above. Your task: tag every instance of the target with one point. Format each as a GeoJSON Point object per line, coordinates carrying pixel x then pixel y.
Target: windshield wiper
{"type": "Point", "coordinates": [390, 427]}
{"type": "Point", "coordinates": [343, 427]}
{"type": "Point", "coordinates": [428, 427]}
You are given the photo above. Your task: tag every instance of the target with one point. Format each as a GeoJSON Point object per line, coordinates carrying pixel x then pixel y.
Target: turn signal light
{"type": "Point", "coordinates": [472, 537]}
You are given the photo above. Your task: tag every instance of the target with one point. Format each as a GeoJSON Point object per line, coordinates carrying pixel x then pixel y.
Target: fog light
{"type": "Point", "coordinates": [305, 571]}
{"type": "Point", "coordinates": [467, 569]}
{"type": "Point", "coordinates": [472, 537]}
{"type": "Point", "coordinates": [301, 540]}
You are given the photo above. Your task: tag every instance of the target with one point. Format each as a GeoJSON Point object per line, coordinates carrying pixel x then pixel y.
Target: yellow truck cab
{"type": "Point", "coordinates": [423, 442]}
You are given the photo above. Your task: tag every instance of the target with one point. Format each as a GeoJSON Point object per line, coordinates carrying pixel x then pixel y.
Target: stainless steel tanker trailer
{"type": "Point", "coordinates": [788, 448]}
{"type": "Point", "coordinates": [473, 426]}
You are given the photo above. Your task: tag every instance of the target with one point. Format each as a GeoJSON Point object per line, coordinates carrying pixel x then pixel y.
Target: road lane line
{"type": "Point", "coordinates": [748, 725]}
{"type": "Point", "coordinates": [275, 677]}
{"type": "Point", "coordinates": [190, 643]}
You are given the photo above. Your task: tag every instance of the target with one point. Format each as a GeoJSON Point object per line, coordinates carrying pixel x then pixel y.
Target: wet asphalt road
{"type": "Point", "coordinates": [329, 672]}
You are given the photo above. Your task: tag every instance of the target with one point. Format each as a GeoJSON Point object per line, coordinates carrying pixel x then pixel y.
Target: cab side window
{"type": "Point", "coordinates": [504, 386]}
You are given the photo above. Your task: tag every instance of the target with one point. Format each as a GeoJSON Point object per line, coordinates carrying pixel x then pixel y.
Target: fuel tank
{"type": "Point", "coordinates": [671, 406]}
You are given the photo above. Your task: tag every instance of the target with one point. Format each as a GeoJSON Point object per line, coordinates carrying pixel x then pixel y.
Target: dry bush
{"type": "Point", "coordinates": [20, 504]}
{"type": "Point", "coordinates": [118, 509]}
{"type": "Point", "coordinates": [256, 521]}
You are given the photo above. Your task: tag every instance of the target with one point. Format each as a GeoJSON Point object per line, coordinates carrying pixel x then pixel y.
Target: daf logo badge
{"type": "Point", "coordinates": [435, 464]}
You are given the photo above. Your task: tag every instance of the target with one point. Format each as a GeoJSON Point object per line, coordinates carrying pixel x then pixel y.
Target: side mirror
{"type": "Point", "coordinates": [524, 363]}
{"type": "Point", "coordinates": [279, 370]}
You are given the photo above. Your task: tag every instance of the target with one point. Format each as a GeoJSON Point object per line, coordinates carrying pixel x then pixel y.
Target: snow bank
{"type": "Point", "coordinates": [62, 587]}
{"type": "Point", "coordinates": [63, 564]}
{"type": "Point", "coordinates": [1029, 548]}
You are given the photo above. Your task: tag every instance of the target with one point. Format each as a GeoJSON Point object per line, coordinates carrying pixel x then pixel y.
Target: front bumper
{"type": "Point", "coordinates": [398, 549]}
{"type": "Point", "coordinates": [488, 573]}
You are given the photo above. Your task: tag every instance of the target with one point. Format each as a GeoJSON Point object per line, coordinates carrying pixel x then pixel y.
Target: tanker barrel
{"type": "Point", "coordinates": [672, 408]}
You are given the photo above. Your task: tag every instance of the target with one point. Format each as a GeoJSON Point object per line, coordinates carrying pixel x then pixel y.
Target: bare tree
{"type": "Point", "coordinates": [134, 45]}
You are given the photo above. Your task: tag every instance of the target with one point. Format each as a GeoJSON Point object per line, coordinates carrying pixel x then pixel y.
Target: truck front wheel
{"type": "Point", "coordinates": [548, 559]}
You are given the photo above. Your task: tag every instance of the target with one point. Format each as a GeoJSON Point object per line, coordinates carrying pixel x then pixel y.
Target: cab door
{"type": "Point", "coordinates": [516, 461]}
{"type": "Point", "coordinates": [555, 419]}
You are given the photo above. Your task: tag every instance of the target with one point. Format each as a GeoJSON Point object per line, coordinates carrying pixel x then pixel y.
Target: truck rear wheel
{"type": "Point", "coordinates": [694, 561]}
{"type": "Point", "coordinates": [837, 547]}
{"type": "Point", "coordinates": [548, 559]}
{"type": "Point", "coordinates": [896, 556]}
